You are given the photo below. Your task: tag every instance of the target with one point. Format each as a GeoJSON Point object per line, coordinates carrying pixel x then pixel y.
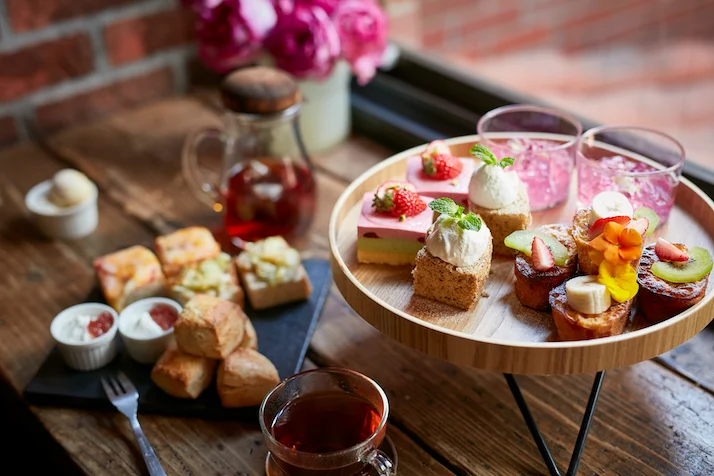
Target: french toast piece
{"type": "Point", "coordinates": [574, 325]}
{"type": "Point", "coordinates": [579, 231]}
{"type": "Point", "coordinates": [504, 221]}
{"type": "Point", "coordinates": [659, 299]}
{"type": "Point", "coordinates": [458, 286]}
{"type": "Point", "coordinates": [532, 286]}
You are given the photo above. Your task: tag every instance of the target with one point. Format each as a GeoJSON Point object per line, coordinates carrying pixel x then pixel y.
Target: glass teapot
{"type": "Point", "coordinates": [265, 184]}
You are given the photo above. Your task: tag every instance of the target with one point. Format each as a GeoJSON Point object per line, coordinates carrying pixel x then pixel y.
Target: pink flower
{"type": "Point", "coordinates": [362, 27]}
{"type": "Point", "coordinates": [304, 42]}
{"type": "Point", "coordinates": [231, 32]}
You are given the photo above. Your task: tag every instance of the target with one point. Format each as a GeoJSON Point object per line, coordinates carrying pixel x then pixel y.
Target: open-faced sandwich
{"type": "Point", "coordinates": [546, 258]}
{"type": "Point", "coordinates": [499, 197]}
{"type": "Point", "coordinates": [454, 264]}
{"type": "Point", "coordinates": [672, 278]}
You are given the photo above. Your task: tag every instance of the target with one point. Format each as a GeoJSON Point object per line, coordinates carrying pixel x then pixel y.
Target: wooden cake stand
{"type": "Point", "coordinates": [500, 334]}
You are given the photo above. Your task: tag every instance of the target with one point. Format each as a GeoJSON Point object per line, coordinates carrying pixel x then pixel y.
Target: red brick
{"type": "Point", "coordinates": [40, 65]}
{"type": "Point", "coordinates": [103, 101]}
{"type": "Point", "coordinates": [32, 14]}
{"type": "Point", "coordinates": [8, 131]}
{"type": "Point", "coordinates": [134, 38]}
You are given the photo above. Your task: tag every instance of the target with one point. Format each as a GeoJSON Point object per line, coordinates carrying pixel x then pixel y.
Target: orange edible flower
{"type": "Point", "coordinates": [617, 244]}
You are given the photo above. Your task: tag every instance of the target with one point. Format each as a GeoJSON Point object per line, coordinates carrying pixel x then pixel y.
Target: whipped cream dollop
{"type": "Point", "coordinates": [493, 187]}
{"type": "Point", "coordinates": [76, 329]}
{"type": "Point", "coordinates": [448, 241]}
{"type": "Point", "coordinates": [144, 327]}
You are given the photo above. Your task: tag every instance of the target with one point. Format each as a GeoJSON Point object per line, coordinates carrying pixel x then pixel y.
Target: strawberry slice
{"type": "Point", "coordinates": [442, 167]}
{"type": "Point", "coordinates": [597, 228]}
{"type": "Point", "coordinates": [641, 225]}
{"type": "Point", "coordinates": [667, 251]}
{"type": "Point", "coordinates": [398, 199]}
{"type": "Point", "coordinates": [435, 148]}
{"type": "Point", "coordinates": [541, 255]}
{"type": "Point", "coordinates": [394, 184]}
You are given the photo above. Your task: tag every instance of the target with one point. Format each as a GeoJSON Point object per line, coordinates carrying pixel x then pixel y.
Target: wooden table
{"type": "Point", "coordinates": [656, 417]}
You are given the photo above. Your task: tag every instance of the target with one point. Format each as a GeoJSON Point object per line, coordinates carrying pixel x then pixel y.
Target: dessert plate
{"type": "Point", "coordinates": [500, 334]}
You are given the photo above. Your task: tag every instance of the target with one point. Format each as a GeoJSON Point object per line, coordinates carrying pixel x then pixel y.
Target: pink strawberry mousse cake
{"type": "Point", "coordinates": [385, 239]}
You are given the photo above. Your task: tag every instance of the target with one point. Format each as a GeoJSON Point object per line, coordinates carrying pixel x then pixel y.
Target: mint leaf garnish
{"type": "Point", "coordinates": [505, 162]}
{"type": "Point", "coordinates": [470, 221]}
{"type": "Point", "coordinates": [444, 205]}
{"type": "Point", "coordinates": [482, 152]}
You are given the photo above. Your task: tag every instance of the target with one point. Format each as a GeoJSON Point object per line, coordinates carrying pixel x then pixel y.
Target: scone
{"type": "Point", "coordinates": [215, 277]}
{"type": "Point", "coordinates": [183, 375]}
{"type": "Point", "coordinates": [184, 247]}
{"type": "Point", "coordinates": [210, 327]}
{"type": "Point", "coordinates": [537, 271]}
{"type": "Point", "coordinates": [455, 262]}
{"type": "Point", "coordinates": [499, 197]}
{"type": "Point", "coordinates": [245, 377]}
{"type": "Point", "coordinates": [129, 275]}
{"type": "Point", "coordinates": [272, 274]}
{"type": "Point", "coordinates": [250, 338]}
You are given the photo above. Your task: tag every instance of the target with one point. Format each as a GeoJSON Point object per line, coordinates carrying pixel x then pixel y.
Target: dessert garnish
{"type": "Point", "coordinates": [491, 186]}
{"type": "Point", "coordinates": [522, 240]}
{"type": "Point", "coordinates": [619, 279]}
{"type": "Point", "coordinates": [586, 295]}
{"type": "Point", "coordinates": [273, 260]}
{"type": "Point", "coordinates": [675, 269]}
{"type": "Point", "coordinates": [69, 188]}
{"type": "Point", "coordinates": [541, 255]}
{"type": "Point", "coordinates": [652, 218]}
{"type": "Point", "coordinates": [398, 199]}
{"type": "Point", "coordinates": [438, 163]}
{"type": "Point", "coordinates": [455, 237]}
{"type": "Point", "coordinates": [616, 244]}
{"type": "Point", "coordinates": [599, 225]}
{"type": "Point", "coordinates": [435, 147]}
{"type": "Point", "coordinates": [610, 204]}
{"type": "Point", "coordinates": [84, 328]}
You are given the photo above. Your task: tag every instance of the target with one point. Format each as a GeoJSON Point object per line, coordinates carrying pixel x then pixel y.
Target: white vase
{"type": "Point", "coordinates": [325, 120]}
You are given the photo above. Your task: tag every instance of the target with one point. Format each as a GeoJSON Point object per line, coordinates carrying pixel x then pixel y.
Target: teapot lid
{"type": "Point", "coordinates": [259, 90]}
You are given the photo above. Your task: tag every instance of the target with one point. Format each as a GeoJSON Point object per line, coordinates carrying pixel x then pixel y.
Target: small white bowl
{"type": "Point", "coordinates": [89, 355]}
{"type": "Point", "coordinates": [64, 223]}
{"type": "Point", "coordinates": [146, 350]}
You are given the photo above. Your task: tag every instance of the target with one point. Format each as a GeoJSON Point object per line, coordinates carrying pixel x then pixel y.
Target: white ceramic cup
{"type": "Point", "coordinates": [88, 355]}
{"type": "Point", "coordinates": [63, 223]}
{"type": "Point", "coordinates": [145, 350]}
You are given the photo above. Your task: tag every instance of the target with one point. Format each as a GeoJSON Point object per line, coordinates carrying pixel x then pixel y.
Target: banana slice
{"type": "Point", "coordinates": [586, 295]}
{"type": "Point", "coordinates": [610, 204]}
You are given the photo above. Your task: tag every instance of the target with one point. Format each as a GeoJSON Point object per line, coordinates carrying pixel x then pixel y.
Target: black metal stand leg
{"type": "Point", "coordinates": [538, 438]}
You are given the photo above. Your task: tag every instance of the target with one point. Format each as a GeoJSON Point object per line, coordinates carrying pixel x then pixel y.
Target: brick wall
{"type": "Point", "coordinates": [64, 61]}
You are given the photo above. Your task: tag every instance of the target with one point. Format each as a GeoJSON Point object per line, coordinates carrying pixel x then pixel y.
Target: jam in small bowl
{"type": "Point", "coordinates": [84, 335]}
{"type": "Point", "coordinates": [146, 327]}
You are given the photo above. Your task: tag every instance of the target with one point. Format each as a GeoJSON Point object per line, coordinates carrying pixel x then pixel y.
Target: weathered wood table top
{"type": "Point", "coordinates": [656, 417]}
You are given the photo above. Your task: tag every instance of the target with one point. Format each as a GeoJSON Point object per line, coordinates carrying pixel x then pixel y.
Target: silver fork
{"type": "Point", "coordinates": [125, 398]}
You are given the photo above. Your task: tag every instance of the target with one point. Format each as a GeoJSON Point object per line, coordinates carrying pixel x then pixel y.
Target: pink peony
{"type": "Point", "coordinates": [231, 32]}
{"type": "Point", "coordinates": [362, 27]}
{"type": "Point", "coordinates": [304, 42]}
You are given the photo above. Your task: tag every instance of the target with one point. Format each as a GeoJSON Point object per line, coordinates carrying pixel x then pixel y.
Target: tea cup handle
{"type": "Point", "coordinates": [206, 191]}
{"type": "Point", "coordinates": [380, 462]}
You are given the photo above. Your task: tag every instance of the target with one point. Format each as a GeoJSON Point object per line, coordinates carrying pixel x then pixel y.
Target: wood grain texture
{"type": "Point", "coordinates": [500, 334]}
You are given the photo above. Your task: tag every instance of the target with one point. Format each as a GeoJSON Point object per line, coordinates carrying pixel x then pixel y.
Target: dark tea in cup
{"type": "Point", "coordinates": [326, 422]}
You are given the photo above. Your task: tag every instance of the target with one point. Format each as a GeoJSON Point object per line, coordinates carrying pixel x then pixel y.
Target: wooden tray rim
{"type": "Point", "coordinates": [339, 267]}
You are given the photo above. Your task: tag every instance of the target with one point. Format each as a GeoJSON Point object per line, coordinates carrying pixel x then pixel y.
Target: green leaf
{"type": "Point", "coordinates": [482, 152]}
{"type": "Point", "coordinates": [506, 161]}
{"type": "Point", "coordinates": [470, 222]}
{"type": "Point", "coordinates": [459, 212]}
{"type": "Point", "coordinates": [444, 205]}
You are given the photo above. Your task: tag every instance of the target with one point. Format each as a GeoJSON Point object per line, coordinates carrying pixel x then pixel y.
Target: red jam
{"type": "Point", "coordinates": [164, 315]}
{"type": "Point", "coordinates": [100, 324]}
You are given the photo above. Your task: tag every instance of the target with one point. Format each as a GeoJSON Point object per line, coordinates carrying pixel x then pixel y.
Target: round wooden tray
{"type": "Point", "coordinates": [500, 334]}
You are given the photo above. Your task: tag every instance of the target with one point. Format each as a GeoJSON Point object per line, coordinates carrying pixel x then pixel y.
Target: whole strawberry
{"type": "Point", "coordinates": [442, 166]}
{"type": "Point", "coordinates": [399, 200]}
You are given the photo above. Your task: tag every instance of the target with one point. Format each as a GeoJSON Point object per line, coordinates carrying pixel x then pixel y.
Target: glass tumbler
{"type": "Point", "coordinates": [643, 164]}
{"type": "Point", "coordinates": [542, 141]}
{"type": "Point", "coordinates": [306, 417]}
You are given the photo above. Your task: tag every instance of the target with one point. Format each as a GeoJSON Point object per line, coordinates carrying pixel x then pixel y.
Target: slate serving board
{"type": "Point", "coordinates": [284, 334]}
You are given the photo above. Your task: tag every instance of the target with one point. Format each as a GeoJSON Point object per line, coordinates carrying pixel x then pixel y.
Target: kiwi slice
{"type": "Point", "coordinates": [522, 240]}
{"type": "Point", "coordinates": [698, 266]}
{"type": "Point", "coordinates": [652, 217]}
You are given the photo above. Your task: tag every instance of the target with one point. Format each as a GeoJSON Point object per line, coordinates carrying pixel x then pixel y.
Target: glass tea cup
{"type": "Point", "coordinates": [643, 164]}
{"type": "Point", "coordinates": [326, 422]}
{"type": "Point", "coordinates": [542, 141]}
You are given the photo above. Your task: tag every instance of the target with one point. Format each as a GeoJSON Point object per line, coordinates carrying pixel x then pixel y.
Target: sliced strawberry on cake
{"type": "Point", "coordinates": [672, 278]}
{"type": "Point", "coordinates": [438, 173]}
{"type": "Point", "coordinates": [393, 224]}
